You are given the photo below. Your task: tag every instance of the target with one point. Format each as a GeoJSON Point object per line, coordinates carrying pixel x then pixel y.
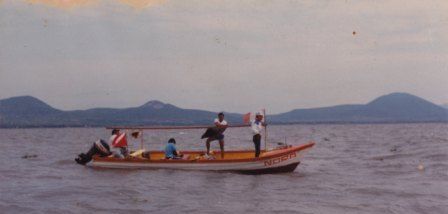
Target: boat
{"type": "Point", "coordinates": [282, 159]}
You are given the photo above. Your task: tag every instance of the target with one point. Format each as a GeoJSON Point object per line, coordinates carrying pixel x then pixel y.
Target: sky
{"type": "Point", "coordinates": [233, 56]}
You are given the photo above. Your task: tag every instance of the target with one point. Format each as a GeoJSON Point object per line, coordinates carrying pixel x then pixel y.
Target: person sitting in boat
{"type": "Point", "coordinates": [257, 127]}
{"type": "Point", "coordinates": [216, 133]}
{"type": "Point", "coordinates": [99, 147]}
{"type": "Point", "coordinates": [171, 151]}
{"type": "Point", "coordinates": [119, 142]}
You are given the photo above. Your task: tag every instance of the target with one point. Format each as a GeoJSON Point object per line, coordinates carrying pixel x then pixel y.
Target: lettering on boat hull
{"type": "Point", "coordinates": [280, 159]}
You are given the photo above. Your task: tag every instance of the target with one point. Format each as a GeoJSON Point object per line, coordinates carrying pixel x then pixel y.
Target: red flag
{"type": "Point", "coordinates": [246, 118]}
{"type": "Point", "coordinates": [120, 141]}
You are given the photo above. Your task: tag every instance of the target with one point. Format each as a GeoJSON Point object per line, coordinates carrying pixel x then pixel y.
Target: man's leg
{"type": "Point", "coordinates": [257, 148]}
{"type": "Point", "coordinates": [221, 145]}
{"type": "Point", "coordinates": [256, 140]}
{"type": "Point", "coordinates": [208, 144]}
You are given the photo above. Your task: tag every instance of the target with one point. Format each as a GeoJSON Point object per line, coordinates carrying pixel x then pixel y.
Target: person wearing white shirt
{"type": "Point", "coordinates": [221, 126]}
{"type": "Point", "coordinates": [257, 127]}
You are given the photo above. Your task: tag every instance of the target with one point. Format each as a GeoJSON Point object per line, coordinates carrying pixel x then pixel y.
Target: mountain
{"type": "Point", "coordinates": [27, 111]}
{"type": "Point", "coordinates": [445, 105]}
{"type": "Point", "coordinates": [151, 113]}
{"type": "Point", "coordinates": [31, 112]}
{"type": "Point", "coordinates": [395, 107]}
{"type": "Point", "coordinates": [25, 105]}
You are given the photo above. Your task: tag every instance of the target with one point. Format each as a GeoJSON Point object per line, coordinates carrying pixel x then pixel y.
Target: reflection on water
{"type": "Point", "coordinates": [352, 169]}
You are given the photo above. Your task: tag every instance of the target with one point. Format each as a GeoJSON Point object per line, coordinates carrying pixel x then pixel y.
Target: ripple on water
{"type": "Point", "coordinates": [352, 169]}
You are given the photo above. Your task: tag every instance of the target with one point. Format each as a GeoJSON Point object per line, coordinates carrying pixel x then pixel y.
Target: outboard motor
{"type": "Point", "coordinates": [99, 147]}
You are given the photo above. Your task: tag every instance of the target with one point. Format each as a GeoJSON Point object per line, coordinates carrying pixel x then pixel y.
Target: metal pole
{"type": "Point", "coordinates": [265, 132]}
{"type": "Point", "coordinates": [141, 140]}
{"type": "Point", "coordinates": [169, 127]}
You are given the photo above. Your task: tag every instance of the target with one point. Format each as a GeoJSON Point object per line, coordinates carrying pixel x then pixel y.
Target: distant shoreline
{"type": "Point", "coordinates": [271, 124]}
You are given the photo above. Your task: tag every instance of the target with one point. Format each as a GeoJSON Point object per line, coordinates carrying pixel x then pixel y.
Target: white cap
{"type": "Point", "coordinates": [258, 114]}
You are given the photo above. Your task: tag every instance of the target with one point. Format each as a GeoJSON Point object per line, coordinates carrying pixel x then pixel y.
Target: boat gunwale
{"type": "Point", "coordinates": [172, 161]}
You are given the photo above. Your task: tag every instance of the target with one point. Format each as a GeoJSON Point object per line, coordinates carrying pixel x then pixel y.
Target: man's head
{"type": "Point", "coordinates": [172, 140]}
{"type": "Point", "coordinates": [258, 116]}
{"type": "Point", "coordinates": [221, 116]}
{"type": "Point", "coordinates": [115, 131]}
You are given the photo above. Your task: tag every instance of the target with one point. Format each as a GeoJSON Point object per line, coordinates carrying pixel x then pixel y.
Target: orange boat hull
{"type": "Point", "coordinates": [275, 161]}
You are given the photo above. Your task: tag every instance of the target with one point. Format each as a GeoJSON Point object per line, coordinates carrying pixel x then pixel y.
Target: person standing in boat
{"type": "Point", "coordinates": [257, 127]}
{"type": "Point", "coordinates": [217, 133]}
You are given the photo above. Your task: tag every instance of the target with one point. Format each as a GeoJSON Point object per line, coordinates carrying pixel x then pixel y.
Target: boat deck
{"type": "Point", "coordinates": [199, 155]}
{"type": "Point", "coordinates": [241, 155]}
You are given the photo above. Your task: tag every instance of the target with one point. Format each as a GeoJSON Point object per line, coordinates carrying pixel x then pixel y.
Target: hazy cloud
{"type": "Point", "coordinates": [223, 55]}
{"type": "Point", "coordinates": [64, 4]}
{"type": "Point", "coordinates": [140, 4]}
{"type": "Point", "coordinates": [70, 4]}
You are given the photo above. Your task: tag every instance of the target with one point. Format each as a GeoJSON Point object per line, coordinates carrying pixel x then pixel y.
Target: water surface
{"type": "Point", "coordinates": [352, 169]}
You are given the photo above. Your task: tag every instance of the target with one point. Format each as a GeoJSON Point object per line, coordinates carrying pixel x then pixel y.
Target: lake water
{"type": "Point", "coordinates": [352, 169]}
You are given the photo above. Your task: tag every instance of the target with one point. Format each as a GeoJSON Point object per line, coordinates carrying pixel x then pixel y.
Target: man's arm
{"type": "Point", "coordinates": [217, 124]}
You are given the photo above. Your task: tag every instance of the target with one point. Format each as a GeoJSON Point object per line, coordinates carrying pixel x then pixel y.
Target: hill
{"type": "Point", "coordinates": [31, 112]}
{"type": "Point", "coordinates": [395, 107]}
{"type": "Point", "coordinates": [445, 106]}
{"type": "Point", "coordinates": [27, 111]}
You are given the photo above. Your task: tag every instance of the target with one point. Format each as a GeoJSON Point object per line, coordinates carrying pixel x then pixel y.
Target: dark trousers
{"type": "Point", "coordinates": [257, 140]}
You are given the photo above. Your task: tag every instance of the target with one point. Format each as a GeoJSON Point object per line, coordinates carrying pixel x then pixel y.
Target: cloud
{"type": "Point", "coordinates": [141, 4]}
{"type": "Point", "coordinates": [201, 53]}
{"type": "Point", "coordinates": [64, 4]}
{"type": "Point", "coordinates": [70, 4]}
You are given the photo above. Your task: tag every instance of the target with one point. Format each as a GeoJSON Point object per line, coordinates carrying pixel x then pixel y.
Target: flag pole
{"type": "Point", "coordinates": [265, 132]}
{"type": "Point", "coordinates": [142, 145]}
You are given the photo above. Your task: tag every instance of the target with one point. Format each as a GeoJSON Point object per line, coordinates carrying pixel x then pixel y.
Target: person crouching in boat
{"type": "Point", "coordinates": [257, 127]}
{"type": "Point", "coordinates": [171, 151]}
{"type": "Point", "coordinates": [119, 142]}
{"type": "Point", "coordinates": [220, 127]}
{"type": "Point", "coordinates": [99, 147]}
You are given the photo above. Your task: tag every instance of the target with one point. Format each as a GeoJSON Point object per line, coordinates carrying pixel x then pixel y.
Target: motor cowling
{"type": "Point", "coordinates": [99, 147]}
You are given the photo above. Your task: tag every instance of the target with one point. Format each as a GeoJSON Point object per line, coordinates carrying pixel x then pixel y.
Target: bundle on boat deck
{"type": "Point", "coordinates": [210, 132]}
